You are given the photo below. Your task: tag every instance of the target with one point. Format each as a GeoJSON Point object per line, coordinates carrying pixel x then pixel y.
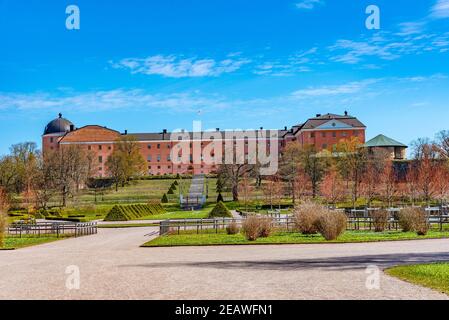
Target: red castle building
{"type": "Point", "coordinates": [323, 132]}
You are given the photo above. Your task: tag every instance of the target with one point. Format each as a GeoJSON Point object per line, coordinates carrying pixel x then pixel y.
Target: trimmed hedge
{"type": "Point", "coordinates": [133, 212]}
{"type": "Point", "coordinates": [66, 219]}
{"type": "Point", "coordinates": [220, 211]}
{"type": "Point", "coordinates": [164, 198]}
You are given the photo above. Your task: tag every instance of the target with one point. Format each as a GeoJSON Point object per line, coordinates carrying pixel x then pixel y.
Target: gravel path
{"type": "Point", "coordinates": [112, 266]}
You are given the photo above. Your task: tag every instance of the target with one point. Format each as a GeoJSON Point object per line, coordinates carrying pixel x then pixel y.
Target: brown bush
{"type": "Point", "coordinates": [3, 226]}
{"type": "Point", "coordinates": [332, 224]}
{"type": "Point", "coordinates": [233, 228]}
{"type": "Point", "coordinates": [251, 228]}
{"type": "Point", "coordinates": [380, 220]}
{"type": "Point", "coordinates": [414, 220]}
{"type": "Point", "coordinates": [265, 227]}
{"type": "Point", "coordinates": [306, 217]}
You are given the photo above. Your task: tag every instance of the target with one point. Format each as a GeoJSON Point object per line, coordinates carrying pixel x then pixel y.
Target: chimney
{"type": "Point", "coordinates": [164, 131]}
{"type": "Point", "coordinates": [126, 132]}
{"type": "Point", "coordinates": [285, 128]}
{"type": "Point", "coordinates": [72, 127]}
{"type": "Point", "coordinates": [261, 128]}
{"type": "Point", "coordinates": [346, 113]}
{"type": "Point", "coordinates": [318, 115]}
{"type": "Point", "coordinates": [218, 129]}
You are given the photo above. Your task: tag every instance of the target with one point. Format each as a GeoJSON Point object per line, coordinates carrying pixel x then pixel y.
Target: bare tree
{"type": "Point", "coordinates": [231, 175]}
{"type": "Point", "coordinates": [314, 165]}
{"type": "Point", "coordinates": [442, 182]}
{"type": "Point", "coordinates": [332, 187]}
{"type": "Point", "coordinates": [351, 163]}
{"type": "Point", "coordinates": [443, 143]}
{"type": "Point", "coordinates": [290, 167]}
{"type": "Point", "coordinates": [126, 161]}
{"type": "Point", "coordinates": [69, 168]}
{"type": "Point", "coordinates": [246, 190]}
{"type": "Point", "coordinates": [388, 180]}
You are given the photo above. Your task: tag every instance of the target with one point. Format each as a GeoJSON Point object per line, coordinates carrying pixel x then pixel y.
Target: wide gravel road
{"type": "Point", "coordinates": [113, 266]}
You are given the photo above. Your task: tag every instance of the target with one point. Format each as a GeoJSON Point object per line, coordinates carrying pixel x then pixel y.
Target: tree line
{"type": "Point", "coordinates": [36, 178]}
{"type": "Point", "coordinates": [350, 173]}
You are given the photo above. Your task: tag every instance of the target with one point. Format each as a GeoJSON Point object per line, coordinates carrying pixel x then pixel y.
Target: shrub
{"type": "Point", "coordinates": [164, 198]}
{"type": "Point", "coordinates": [414, 220]}
{"type": "Point", "coordinates": [220, 211]}
{"type": "Point", "coordinates": [220, 198]}
{"type": "Point", "coordinates": [232, 228]}
{"type": "Point", "coordinates": [265, 227]}
{"type": "Point", "coordinates": [332, 224]}
{"type": "Point", "coordinates": [133, 212]}
{"type": "Point", "coordinates": [3, 226]}
{"type": "Point", "coordinates": [380, 220]}
{"type": "Point", "coordinates": [251, 228]}
{"type": "Point", "coordinates": [306, 217]}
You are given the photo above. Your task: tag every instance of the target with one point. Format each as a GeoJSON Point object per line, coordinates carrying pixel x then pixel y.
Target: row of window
{"type": "Point", "coordinates": [334, 134]}
{"type": "Point", "coordinates": [100, 147]}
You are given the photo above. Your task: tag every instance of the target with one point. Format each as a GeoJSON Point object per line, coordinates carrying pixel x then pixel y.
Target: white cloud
{"type": "Point", "coordinates": [411, 28]}
{"type": "Point", "coordinates": [110, 100]}
{"type": "Point", "coordinates": [344, 89]}
{"type": "Point", "coordinates": [299, 62]}
{"type": "Point", "coordinates": [178, 67]}
{"type": "Point", "coordinates": [440, 10]}
{"type": "Point", "coordinates": [387, 46]}
{"type": "Point", "coordinates": [309, 4]}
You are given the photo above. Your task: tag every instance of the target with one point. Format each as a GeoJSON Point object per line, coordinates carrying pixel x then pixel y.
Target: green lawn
{"type": "Point", "coordinates": [435, 276]}
{"type": "Point", "coordinates": [17, 243]}
{"type": "Point", "coordinates": [190, 238]}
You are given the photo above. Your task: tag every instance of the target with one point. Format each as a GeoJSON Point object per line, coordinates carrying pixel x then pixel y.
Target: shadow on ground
{"type": "Point", "coordinates": [334, 264]}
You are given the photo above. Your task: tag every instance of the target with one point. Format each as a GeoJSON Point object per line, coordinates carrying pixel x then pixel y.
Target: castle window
{"type": "Point", "coordinates": [312, 135]}
{"type": "Point", "coordinates": [51, 140]}
{"type": "Point", "coordinates": [159, 158]}
{"type": "Point", "coordinates": [158, 146]}
{"type": "Point", "coordinates": [149, 158]}
{"type": "Point", "coordinates": [100, 147]}
{"type": "Point", "coordinates": [323, 134]}
{"type": "Point", "coordinates": [89, 148]}
{"type": "Point", "coordinates": [100, 159]}
{"type": "Point", "coordinates": [149, 146]}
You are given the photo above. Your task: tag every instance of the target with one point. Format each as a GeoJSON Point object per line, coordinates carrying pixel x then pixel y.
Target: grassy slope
{"type": "Point", "coordinates": [435, 276]}
{"type": "Point", "coordinates": [179, 214]}
{"type": "Point", "coordinates": [193, 239]}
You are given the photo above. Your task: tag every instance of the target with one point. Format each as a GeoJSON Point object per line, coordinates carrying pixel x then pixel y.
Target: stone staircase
{"type": "Point", "coordinates": [196, 197]}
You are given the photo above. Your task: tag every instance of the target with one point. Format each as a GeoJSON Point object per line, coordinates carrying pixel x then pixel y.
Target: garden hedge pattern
{"type": "Point", "coordinates": [133, 212]}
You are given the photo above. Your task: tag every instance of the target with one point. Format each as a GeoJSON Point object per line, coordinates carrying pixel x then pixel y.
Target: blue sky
{"type": "Point", "coordinates": [149, 65]}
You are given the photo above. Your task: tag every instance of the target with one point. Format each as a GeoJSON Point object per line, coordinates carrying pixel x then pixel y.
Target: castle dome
{"type": "Point", "coordinates": [59, 125]}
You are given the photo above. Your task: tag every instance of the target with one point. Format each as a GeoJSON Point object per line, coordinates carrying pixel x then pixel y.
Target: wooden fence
{"type": "Point", "coordinates": [42, 229]}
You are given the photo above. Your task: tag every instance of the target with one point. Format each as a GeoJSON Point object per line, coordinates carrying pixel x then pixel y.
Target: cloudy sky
{"type": "Point", "coordinates": [148, 65]}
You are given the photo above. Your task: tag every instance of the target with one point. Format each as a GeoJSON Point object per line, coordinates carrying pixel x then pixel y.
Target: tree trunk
{"type": "Point", "coordinates": [235, 193]}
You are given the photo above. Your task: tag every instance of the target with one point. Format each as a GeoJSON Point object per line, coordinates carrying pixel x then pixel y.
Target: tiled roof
{"type": "Point", "coordinates": [320, 120]}
{"type": "Point", "coordinates": [383, 141]}
{"type": "Point", "coordinates": [92, 133]}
